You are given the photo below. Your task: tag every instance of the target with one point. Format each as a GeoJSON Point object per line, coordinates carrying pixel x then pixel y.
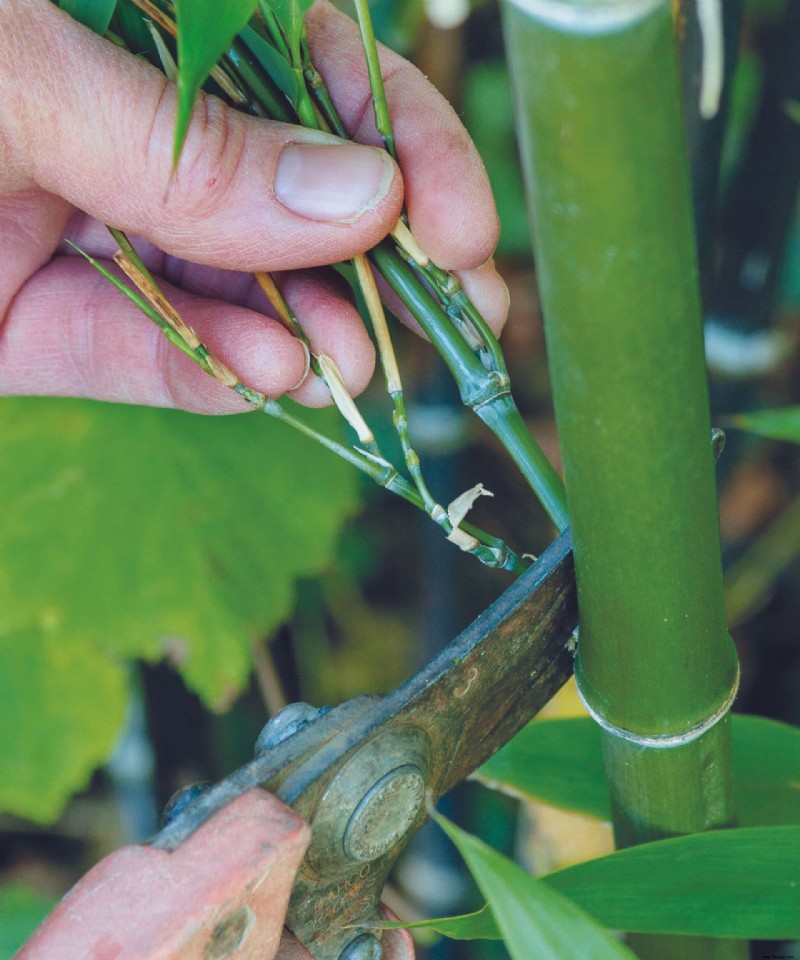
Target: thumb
{"type": "Point", "coordinates": [94, 125]}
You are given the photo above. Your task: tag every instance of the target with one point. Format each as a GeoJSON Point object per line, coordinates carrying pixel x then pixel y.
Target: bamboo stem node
{"type": "Point", "coordinates": [662, 741]}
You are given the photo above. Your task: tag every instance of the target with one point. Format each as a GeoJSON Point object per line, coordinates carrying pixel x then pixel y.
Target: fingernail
{"type": "Point", "coordinates": [335, 183]}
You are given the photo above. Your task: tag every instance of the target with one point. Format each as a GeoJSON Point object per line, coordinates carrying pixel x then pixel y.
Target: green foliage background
{"type": "Point", "coordinates": [137, 534]}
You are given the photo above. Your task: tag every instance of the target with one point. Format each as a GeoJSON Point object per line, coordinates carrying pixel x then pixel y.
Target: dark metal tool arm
{"type": "Point", "coordinates": [361, 773]}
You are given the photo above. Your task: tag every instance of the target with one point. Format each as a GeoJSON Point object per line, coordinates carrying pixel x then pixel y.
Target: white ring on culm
{"type": "Point", "coordinates": [668, 740]}
{"type": "Point", "coordinates": [595, 18]}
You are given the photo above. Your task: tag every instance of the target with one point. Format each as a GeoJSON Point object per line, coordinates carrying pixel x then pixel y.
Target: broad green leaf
{"type": "Point", "coordinates": [743, 884]}
{"type": "Point", "coordinates": [95, 14]}
{"type": "Point", "coordinates": [561, 763]}
{"type": "Point", "coordinates": [21, 911]}
{"type": "Point", "coordinates": [141, 533]}
{"type": "Point", "coordinates": [206, 29]}
{"type": "Point", "coordinates": [792, 109]}
{"type": "Point", "coordinates": [780, 424]}
{"type": "Point", "coordinates": [63, 702]}
{"type": "Point", "coordinates": [534, 920]}
{"type": "Point", "coordinates": [272, 62]}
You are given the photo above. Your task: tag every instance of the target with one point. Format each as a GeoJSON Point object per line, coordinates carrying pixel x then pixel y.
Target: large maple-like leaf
{"type": "Point", "coordinates": [130, 533]}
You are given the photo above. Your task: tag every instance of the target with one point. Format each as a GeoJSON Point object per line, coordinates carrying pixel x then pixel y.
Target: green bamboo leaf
{"type": "Point", "coordinates": [95, 14]}
{"type": "Point", "coordinates": [557, 761]}
{"type": "Point", "coordinates": [560, 762]}
{"type": "Point", "coordinates": [273, 63]}
{"type": "Point", "coordinates": [742, 884]}
{"type": "Point", "coordinates": [290, 14]}
{"type": "Point", "coordinates": [206, 29]}
{"type": "Point", "coordinates": [533, 919]}
{"type": "Point", "coordinates": [479, 925]}
{"type": "Point", "coordinates": [779, 424]}
{"type": "Point", "coordinates": [137, 533]}
{"type": "Point", "coordinates": [129, 22]}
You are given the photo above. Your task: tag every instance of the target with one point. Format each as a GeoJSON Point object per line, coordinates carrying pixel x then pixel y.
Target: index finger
{"type": "Point", "coordinates": [448, 197]}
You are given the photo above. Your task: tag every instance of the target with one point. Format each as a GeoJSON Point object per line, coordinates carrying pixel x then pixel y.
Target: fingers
{"type": "Point", "coordinates": [70, 333]}
{"type": "Point", "coordinates": [333, 327]}
{"type": "Point", "coordinates": [450, 204]}
{"type": "Point", "coordinates": [92, 124]}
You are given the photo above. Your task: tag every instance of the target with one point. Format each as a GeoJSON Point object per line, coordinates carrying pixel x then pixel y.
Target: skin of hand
{"type": "Point", "coordinates": [86, 139]}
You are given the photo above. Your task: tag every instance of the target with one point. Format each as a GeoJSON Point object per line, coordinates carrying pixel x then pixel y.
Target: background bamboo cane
{"type": "Point", "coordinates": [599, 112]}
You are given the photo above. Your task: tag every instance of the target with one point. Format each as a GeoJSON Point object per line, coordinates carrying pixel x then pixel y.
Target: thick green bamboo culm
{"type": "Point", "coordinates": [599, 108]}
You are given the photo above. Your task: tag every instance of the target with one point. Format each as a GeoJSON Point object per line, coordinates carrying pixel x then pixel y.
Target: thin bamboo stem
{"type": "Point", "coordinates": [383, 120]}
{"type": "Point", "coordinates": [457, 329]}
{"type": "Point", "coordinates": [155, 305]}
{"type": "Point", "coordinates": [601, 127]}
{"type": "Point", "coordinates": [485, 391]}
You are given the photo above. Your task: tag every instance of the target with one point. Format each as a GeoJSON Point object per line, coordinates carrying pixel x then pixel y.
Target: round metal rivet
{"type": "Point", "coordinates": [182, 799]}
{"type": "Point", "coordinates": [385, 814]}
{"type": "Point", "coordinates": [365, 947]}
{"type": "Point", "coordinates": [286, 723]}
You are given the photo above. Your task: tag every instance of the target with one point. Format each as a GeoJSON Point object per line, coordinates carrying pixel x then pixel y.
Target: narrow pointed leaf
{"type": "Point", "coordinates": [560, 762]}
{"type": "Point", "coordinates": [205, 31]}
{"type": "Point", "coordinates": [534, 920]}
{"type": "Point", "coordinates": [743, 884]}
{"type": "Point", "coordinates": [273, 63]}
{"type": "Point", "coordinates": [290, 13]}
{"type": "Point", "coordinates": [95, 14]}
{"type": "Point", "coordinates": [780, 424]}
{"type": "Point", "coordinates": [479, 925]}
{"type": "Point", "coordinates": [740, 884]}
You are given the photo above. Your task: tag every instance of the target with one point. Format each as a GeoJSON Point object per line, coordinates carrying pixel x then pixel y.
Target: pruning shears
{"type": "Point", "coordinates": [363, 775]}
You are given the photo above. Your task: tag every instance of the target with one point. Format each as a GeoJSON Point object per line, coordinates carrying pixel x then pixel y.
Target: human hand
{"type": "Point", "coordinates": [224, 890]}
{"type": "Point", "coordinates": [86, 139]}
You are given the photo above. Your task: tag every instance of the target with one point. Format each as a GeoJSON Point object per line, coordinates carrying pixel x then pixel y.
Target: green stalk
{"type": "Point", "coordinates": [485, 391]}
{"type": "Point", "coordinates": [488, 549]}
{"type": "Point", "coordinates": [452, 322]}
{"type": "Point", "coordinates": [600, 122]}
{"type": "Point", "coordinates": [383, 122]}
{"type": "Point", "coordinates": [456, 327]}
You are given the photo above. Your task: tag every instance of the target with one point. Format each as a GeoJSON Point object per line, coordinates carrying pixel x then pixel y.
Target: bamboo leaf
{"type": "Point", "coordinates": [136, 533]}
{"type": "Point", "coordinates": [533, 919]}
{"type": "Point", "coordinates": [95, 14]}
{"type": "Point", "coordinates": [290, 14]}
{"type": "Point", "coordinates": [273, 63]}
{"type": "Point", "coordinates": [779, 424]}
{"type": "Point", "coordinates": [479, 925]}
{"type": "Point", "coordinates": [741, 884]}
{"type": "Point", "coordinates": [206, 29]}
{"type": "Point", "coordinates": [560, 762]}
{"type": "Point", "coordinates": [557, 761]}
